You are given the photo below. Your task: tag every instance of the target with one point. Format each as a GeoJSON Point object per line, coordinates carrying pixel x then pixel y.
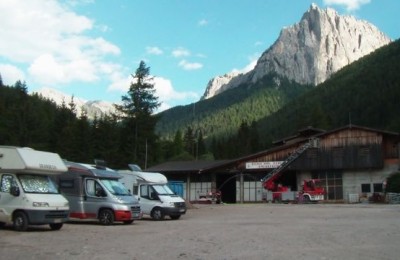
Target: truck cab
{"type": "Point", "coordinates": [156, 198]}
{"type": "Point", "coordinates": [28, 196]}
{"type": "Point", "coordinates": [95, 194]}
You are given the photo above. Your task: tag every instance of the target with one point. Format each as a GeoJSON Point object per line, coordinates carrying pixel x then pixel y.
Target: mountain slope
{"type": "Point", "coordinates": [92, 108]}
{"type": "Point", "coordinates": [364, 93]}
{"type": "Point", "coordinates": [222, 115]}
{"type": "Point", "coordinates": [310, 51]}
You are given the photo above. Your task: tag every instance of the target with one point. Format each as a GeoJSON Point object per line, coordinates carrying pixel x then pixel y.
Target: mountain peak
{"type": "Point", "coordinates": [92, 108]}
{"type": "Point", "coordinates": [310, 51]}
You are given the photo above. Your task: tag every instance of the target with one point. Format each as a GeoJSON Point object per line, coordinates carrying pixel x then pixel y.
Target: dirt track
{"type": "Point", "coordinates": [250, 231]}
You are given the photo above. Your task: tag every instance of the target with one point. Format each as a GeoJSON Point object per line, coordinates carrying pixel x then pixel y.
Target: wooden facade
{"type": "Point", "coordinates": [349, 159]}
{"type": "Point", "coordinates": [347, 148]}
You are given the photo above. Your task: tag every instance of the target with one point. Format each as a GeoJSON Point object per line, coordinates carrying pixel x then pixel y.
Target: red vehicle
{"type": "Point", "coordinates": [311, 190]}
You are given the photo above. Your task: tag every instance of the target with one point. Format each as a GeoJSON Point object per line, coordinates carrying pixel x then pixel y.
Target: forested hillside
{"type": "Point", "coordinates": [236, 123]}
{"type": "Point", "coordinates": [222, 115]}
{"type": "Point", "coordinates": [366, 93]}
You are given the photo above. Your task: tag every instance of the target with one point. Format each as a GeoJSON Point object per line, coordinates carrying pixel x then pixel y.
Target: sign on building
{"type": "Point", "coordinates": [263, 165]}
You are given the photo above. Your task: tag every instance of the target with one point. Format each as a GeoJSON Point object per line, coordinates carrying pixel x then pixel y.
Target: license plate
{"type": "Point", "coordinates": [57, 220]}
{"type": "Point", "coordinates": [181, 210]}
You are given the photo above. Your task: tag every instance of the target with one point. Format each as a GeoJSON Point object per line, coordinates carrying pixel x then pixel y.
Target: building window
{"type": "Point", "coordinates": [365, 188]}
{"type": "Point", "coordinates": [333, 184]}
{"type": "Point", "coordinates": [378, 187]}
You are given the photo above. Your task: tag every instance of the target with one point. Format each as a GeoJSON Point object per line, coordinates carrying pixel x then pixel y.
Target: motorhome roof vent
{"type": "Point", "coordinates": [100, 164]}
{"type": "Point", "coordinates": [135, 167]}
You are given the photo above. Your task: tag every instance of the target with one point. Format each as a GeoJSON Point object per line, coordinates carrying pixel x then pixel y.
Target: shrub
{"type": "Point", "coordinates": [393, 183]}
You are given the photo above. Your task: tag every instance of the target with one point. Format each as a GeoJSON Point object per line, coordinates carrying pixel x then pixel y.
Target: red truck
{"type": "Point", "coordinates": [311, 190]}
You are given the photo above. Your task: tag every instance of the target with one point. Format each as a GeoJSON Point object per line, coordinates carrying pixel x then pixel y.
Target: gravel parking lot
{"type": "Point", "coordinates": [249, 231]}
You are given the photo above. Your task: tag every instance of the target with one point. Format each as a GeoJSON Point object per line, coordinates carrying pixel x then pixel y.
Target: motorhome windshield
{"type": "Point", "coordinates": [163, 190]}
{"type": "Point", "coordinates": [115, 187]}
{"type": "Point", "coordinates": [37, 184]}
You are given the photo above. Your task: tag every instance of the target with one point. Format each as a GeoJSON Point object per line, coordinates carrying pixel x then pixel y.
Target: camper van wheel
{"type": "Point", "coordinates": [127, 222]}
{"type": "Point", "coordinates": [175, 216]}
{"type": "Point", "coordinates": [20, 221]}
{"type": "Point", "coordinates": [106, 217]}
{"type": "Point", "coordinates": [56, 226]}
{"type": "Point", "coordinates": [157, 214]}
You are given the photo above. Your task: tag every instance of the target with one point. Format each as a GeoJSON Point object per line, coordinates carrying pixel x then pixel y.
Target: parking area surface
{"type": "Point", "coordinates": [241, 231]}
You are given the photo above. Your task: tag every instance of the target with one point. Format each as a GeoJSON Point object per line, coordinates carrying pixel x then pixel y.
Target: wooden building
{"type": "Point", "coordinates": [351, 160]}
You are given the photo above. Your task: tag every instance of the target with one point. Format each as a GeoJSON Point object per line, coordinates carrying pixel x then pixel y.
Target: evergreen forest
{"type": "Point", "coordinates": [235, 123]}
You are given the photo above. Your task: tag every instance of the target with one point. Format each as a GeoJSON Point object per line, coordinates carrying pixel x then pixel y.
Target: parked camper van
{"type": "Point", "coordinates": [28, 196]}
{"type": "Point", "coordinates": [155, 197]}
{"type": "Point", "coordinates": [94, 193]}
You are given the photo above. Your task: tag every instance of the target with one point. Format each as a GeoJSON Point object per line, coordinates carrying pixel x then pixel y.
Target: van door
{"type": "Point", "coordinates": [148, 198]}
{"type": "Point", "coordinates": [8, 202]}
{"type": "Point", "coordinates": [95, 195]}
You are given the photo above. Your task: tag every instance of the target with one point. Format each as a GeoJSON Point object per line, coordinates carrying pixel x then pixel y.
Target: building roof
{"type": "Point", "coordinates": [302, 136]}
{"type": "Point", "coordinates": [299, 136]}
{"type": "Point", "coordinates": [189, 166]}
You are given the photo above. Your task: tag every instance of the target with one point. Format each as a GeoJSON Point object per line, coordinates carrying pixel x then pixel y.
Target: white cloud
{"type": "Point", "coordinates": [190, 65]}
{"type": "Point", "coordinates": [180, 52]}
{"type": "Point", "coordinates": [50, 40]}
{"type": "Point", "coordinates": [350, 5]}
{"type": "Point", "coordinates": [11, 74]}
{"type": "Point", "coordinates": [248, 67]}
{"type": "Point", "coordinates": [154, 50]}
{"type": "Point", "coordinates": [47, 70]}
{"type": "Point", "coordinates": [164, 90]}
{"type": "Point", "coordinates": [167, 94]}
{"type": "Point", "coordinates": [119, 82]}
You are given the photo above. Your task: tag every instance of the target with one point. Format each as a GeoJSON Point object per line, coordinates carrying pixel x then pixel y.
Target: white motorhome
{"type": "Point", "coordinates": [155, 197]}
{"type": "Point", "coordinates": [28, 196]}
{"type": "Point", "coordinates": [94, 193]}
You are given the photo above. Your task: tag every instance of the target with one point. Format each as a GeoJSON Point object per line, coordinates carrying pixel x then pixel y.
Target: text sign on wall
{"type": "Point", "coordinates": [263, 165]}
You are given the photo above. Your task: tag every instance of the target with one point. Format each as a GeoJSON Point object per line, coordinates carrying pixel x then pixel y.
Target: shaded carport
{"type": "Point", "coordinates": [202, 176]}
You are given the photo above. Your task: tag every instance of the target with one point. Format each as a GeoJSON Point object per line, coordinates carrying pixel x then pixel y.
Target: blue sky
{"type": "Point", "coordinates": [89, 48]}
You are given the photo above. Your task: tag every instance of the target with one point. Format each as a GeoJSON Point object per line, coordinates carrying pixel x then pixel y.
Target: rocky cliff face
{"type": "Point", "coordinates": [92, 108]}
{"type": "Point", "coordinates": [310, 51]}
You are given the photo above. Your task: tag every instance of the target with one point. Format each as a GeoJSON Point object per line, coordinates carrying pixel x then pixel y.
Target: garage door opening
{"type": "Point", "coordinates": [226, 183]}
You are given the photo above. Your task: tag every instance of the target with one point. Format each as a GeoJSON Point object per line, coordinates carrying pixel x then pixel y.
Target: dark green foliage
{"type": "Point", "coordinates": [236, 123]}
{"type": "Point", "coordinates": [393, 183]}
{"type": "Point", "coordinates": [138, 121]}
{"type": "Point", "coordinates": [222, 115]}
{"type": "Point", "coordinates": [364, 93]}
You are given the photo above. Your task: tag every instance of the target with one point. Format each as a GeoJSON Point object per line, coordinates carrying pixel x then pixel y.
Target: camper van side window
{"type": "Point", "coordinates": [93, 188]}
{"type": "Point", "coordinates": [90, 188]}
{"type": "Point", "coordinates": [144, 191]}
{"type": "Point", "coordinates": [135, 189]}
{"type": "Point", "coordinates": [7, 181]}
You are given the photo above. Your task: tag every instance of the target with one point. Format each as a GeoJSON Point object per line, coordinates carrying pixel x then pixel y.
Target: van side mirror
{"type": "Point", "coordinates": [101, 193]}
{"type": "Point", "coordinates": [14, 191]}
{"type": "Point", "coordinates": [153, 196]}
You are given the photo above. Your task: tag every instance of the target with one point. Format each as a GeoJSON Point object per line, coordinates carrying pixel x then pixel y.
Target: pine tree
{"type": "Point", "coordinates": [136, 112]}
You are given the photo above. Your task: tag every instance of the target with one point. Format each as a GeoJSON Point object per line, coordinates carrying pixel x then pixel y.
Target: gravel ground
{"type": "Point", "coordinates": [241, 231]}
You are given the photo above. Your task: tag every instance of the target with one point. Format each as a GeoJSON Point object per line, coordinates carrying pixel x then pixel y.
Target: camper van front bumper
{"type": "Point", "coordinates": [125, 213]}
{"type": "Point", "coordinates": [174, 211]}
{"type": "Point", "coordinates": [47, 216]}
